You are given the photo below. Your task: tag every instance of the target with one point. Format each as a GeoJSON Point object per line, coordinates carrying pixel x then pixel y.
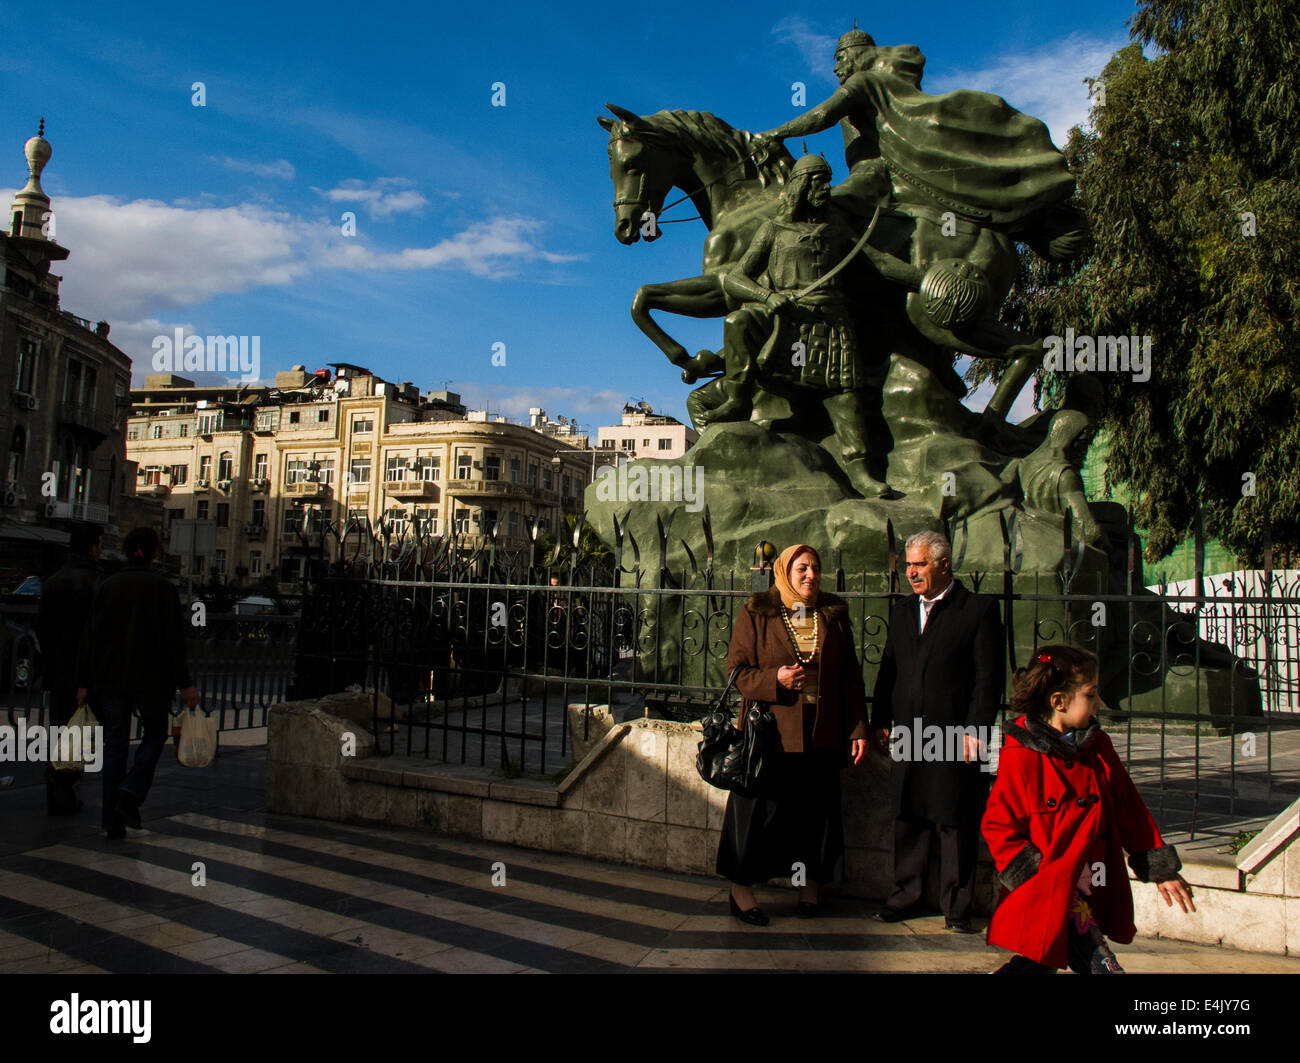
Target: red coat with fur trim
{"type": "Point", "coordinates": [1054, 809]}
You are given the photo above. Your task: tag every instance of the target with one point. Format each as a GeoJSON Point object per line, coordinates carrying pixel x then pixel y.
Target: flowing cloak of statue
{"type": "Point", "coordinates": [972, 151]}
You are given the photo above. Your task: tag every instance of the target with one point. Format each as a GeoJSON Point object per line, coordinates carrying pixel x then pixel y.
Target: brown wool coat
{"type": "Point", "coordinates": [761, 644]}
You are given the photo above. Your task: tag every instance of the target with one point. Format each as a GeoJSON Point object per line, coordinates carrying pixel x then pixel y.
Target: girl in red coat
{"type": "Point", "coordinates": [1061, 814]}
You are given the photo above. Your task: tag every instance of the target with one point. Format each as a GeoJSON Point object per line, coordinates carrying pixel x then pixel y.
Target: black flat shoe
{"type": "Point", "coordinates": [754, 916]}
{"type": "Point", "coordinates": [116, 834]}
{"type": "Point", "coordinates": [810, 909]}
{"type": "Point", "coordinates": [894, 915]}
{"type": "Point", "coordinates": [959, 926]}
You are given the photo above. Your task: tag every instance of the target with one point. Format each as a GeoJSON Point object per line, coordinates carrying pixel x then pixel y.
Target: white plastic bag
{"type": "Point", "coordinates": [82, 746]}
{"type": "Point", "coordinates": [198, 744]}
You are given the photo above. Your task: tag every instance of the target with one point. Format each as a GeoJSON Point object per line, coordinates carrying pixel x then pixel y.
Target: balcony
{"type": "Point", "coordinates": [255, 532]}
{"type": "Point", "coordinates": [491, 489]}
{"type": "Point", "coordinates": [155, 490]}
{"type": "Point", "coordinates": [202, 484]}
{"type": "Point", "coordinates": [85, 417]}
{"type": "Point", "coordinates": [92, 512]}
{"type": "Point", "coordinates": [417, 490]}
{"type": "Point", "coordinates": [308, 489]}
{"type": "Point", "coordinates": [260, 483]}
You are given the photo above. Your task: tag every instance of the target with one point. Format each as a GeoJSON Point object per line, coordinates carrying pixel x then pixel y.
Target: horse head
{"type": "Point", "coordinates": [643, 168]}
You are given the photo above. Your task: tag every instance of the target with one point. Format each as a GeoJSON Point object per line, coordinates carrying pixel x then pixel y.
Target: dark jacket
{"type": "Point", "coordinates": [1055, 809]}
{"type": "Point", "coordinates": [761, 644]}
{"type": "Point", "coordinates": [66, 598]}
{"type": "Point", "coordinates": [135, 640]}
{"type": "Point", "coordinates": [950, 676]}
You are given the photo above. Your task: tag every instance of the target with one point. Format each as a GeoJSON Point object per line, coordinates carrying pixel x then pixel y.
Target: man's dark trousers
{"type": "Point", "coordinates": [958, 853]}
{"type": "Point", "coordinates": [115, 708]}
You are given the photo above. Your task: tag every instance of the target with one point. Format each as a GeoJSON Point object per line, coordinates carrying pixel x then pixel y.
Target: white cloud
{"type": "Point", "coordinates": [382, 197]}
{"type": "Point", "coordinates": [484, 249]}
{"type": "Point", "coordinates": [1046, 82]}
{"type": "Point", "coordinates": [816, 49]}
{"type": "Point", "coordinates": [281, 168]}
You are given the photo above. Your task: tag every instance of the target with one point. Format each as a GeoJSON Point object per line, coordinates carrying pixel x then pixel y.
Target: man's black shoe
{"type": "Point", "coordinates": [116, 834]}
{"type": "Point", "coordinates": [894, 915]}
{"type": "Point", "coordinates": [959, 926]}
{"type": "Point", "coordinates": [128, 808]}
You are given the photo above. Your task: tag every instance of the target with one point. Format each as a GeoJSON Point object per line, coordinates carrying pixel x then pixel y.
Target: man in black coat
{"type": "Point", "coordinates": [133, 659]}
{"type": "Point", "coordinates": [942, 668]}
{"type": "Point", "coordinates": [65, 605]}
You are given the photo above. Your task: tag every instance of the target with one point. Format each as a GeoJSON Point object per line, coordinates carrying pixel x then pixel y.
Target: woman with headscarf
{"type": "Point", "coordinates": [794, 646]}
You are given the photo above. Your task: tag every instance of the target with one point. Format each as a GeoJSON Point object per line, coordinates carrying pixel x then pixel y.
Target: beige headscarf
{"type": "Point", "coordinates": [789, 596]}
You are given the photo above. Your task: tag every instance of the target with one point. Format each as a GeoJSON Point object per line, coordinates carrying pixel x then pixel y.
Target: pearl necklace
{"type": "Point", "coordinates": [794, 638]}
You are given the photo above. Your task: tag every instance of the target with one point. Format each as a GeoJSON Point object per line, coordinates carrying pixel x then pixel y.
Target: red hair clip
{"type": "Point", "coordinates": [1044, 658]}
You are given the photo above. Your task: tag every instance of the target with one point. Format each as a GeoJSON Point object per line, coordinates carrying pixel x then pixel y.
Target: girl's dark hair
{"type": "Point", "coordinates": [1052, 669]}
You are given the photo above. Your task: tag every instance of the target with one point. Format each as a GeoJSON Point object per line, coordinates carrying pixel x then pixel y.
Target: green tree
{"type": "Point", "coordinates": [591, 550]}
{"type": "Point", "coordinates": [1191, 181]}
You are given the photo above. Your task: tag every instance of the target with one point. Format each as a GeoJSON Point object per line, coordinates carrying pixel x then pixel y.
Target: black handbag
{"type": "Point", "coordinates": [732, 759]}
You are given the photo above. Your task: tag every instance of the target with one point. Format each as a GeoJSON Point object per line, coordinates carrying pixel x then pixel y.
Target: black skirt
{"type": "Point", "coordinates": [795, 819]}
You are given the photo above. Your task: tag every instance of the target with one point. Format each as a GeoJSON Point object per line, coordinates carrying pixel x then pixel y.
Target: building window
{"type": "Point", "coordinates": [464, 466]}
{"type": "Point", "coordinates": [360, 470]}
{"type": "Point", "coordinates": [567, 488]}
{"type": "Point", "coordinates": [293, 520]}
{"type": "Point", "coordinates": [532, 475]}
{"type": "Point", "coordinates": [201, 509]}
{"type": "Point", "coordinates": [197, 561]}
{"type": "Point", "coordinates": [665, 444]}
{"type": "Point", "coordinates": [548, 479]}
{"type": "Point", "coordinates": [489, 521]}
{"type": "Point", "coordinates": [325, 471]}
{"type": "Point", "coordinates": [259, 467]}
{"type": "Point", "coordinates": [606, 444]}
{"type": "Point", "coordinates": [223, 514]}
{"type": "Point", "coordinates": [323, 415]}
{"type": "Point", "coordinates": [266, 420]}
{"type": "Point", "coordinates": [492, 467]}
{"type": "Point", "coordinates": [645, 442]}
{"type": "Point", "coordinates": [156, 432]}
{"type": "Point", "coordinates": [185, 430]}
{"type": "Point", "coordinates": [225, 466]}
{"type": "Point", "coordinates": [295, 416]}
{"type": "Point", "coordinates": [17, 450]}
{"type": "Point", "coordinates": [25, 379]}
{"type": "Point", "coordinates": [395, 468]}
{"type": "Point", "coordinates": [72, 381]}
{"type": "Point", "coordinates": [178, 474]}
{"type": "Point", "coordinates": [516, 475]}
{"type": "Point", "coordinates": [259, 513]}
{"type": "Point", "coordinates": [209, 423]}
{"type": "Point", "coordinates": [395, 518]}
{"type": "Point", "coordinates": [219, 566]}
{"type": "Point", "coordinates": [205, 467]}
{"type": "Point", "coordinates": [428, 467]}
{"type": "Point", "coordinates": [356, 521]}
{"type": "Point", "coordinates": [462, 522]}
{"type": "Point", "coordinates": [627, 444]}
{"type": "Point", "coordinates": [512, 522]}
{"type": "Point", "coordinates": [152, 475]}
{"type": "Point", "coordinates": [255, 563]}
{"type": "Point", "coordinates": [295, 471]}
{"type": "Point", "coordinates": [426, 521]}
{"type": "Point", "coordinates": [363, 424]}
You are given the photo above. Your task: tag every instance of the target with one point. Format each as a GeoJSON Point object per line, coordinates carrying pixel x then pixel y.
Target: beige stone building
{"type": "Point", "coordinates": [63, 399]}
{"type": "Point", "coordinates": [646, 434]}
{"type": "Point", "coordinates": [278, 468]}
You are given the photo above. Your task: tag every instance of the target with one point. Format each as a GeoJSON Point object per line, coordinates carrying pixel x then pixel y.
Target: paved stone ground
{"type": "Point", "coordinates": [287, 895]}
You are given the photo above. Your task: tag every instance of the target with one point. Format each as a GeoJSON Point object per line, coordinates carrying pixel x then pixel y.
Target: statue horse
{"type": "Point", "coordinates": [958, 272]}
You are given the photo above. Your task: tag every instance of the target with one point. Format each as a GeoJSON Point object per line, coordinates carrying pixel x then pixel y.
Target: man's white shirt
{"type": "Point", "coordinates": [927, 604]}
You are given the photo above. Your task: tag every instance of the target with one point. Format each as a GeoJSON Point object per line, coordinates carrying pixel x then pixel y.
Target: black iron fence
{"type": "Point", "coordinates": [479, 657]}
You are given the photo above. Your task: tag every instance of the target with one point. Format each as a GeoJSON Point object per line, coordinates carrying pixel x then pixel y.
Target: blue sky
{"type": "Point", "coordinates": [475, 224]}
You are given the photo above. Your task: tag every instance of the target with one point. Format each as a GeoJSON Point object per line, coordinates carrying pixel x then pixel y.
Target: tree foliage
{"type": "Point", "coordinates": [1190, 177]}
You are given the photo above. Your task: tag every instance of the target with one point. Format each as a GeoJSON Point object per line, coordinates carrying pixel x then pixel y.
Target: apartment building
{"type": "Point", "coordinates": [64, 395]}
{"type": "Point", "coordinates": [646, 434]}
{"type": "Point", "coordinates": [294, 475]}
